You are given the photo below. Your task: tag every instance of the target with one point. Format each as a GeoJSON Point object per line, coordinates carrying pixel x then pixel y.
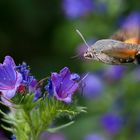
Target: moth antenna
{"type": "Point", "coordinates": [79, 33]}
{"type": "Point", "coordinates": [75, 56]}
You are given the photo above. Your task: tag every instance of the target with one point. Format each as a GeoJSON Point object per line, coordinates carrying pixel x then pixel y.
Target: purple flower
{"type": "Point", "coordinates": [2, 136]}
{"type": "Point", "coordinates": [10, 79]}
{"type": "Point", "coordinates": [50, 88]}
{"type": "Point", "coordinates": [28, 80]}
{"type": "Point", "coordinates": [13, 137]}
{"type": "Point", "coordinates": [53, 136]}
{"type": "Point", "coordinates": [32, 84]}
{"type": "Point", "coordinates": [131, 27]}
{"type": "Point", "coordinates": [25, 72]}
{"type": "Point", "coordinates": [62, 85]}
{"type": "Point", "coordinates": [132, 21]}
{"type": "Point", "coordinates": [114, 72]}
{"type": "Point", "coordinates": [56, 136]}
{"type": "Point", "coordinates": [112, 122]}
{"type": "Point", "coordinates": [93, 86]}
{"type": "Point", "coordinates": [94, 137]}
{"type": "Point", "coordinates": [77, 8]}
{"type": "Point", "coordinates": [37, 94]}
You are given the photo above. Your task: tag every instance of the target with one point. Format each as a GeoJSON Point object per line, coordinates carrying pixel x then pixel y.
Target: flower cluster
{"type": "Point", "coordinates": [19, 79]}
{"type": "Point", "coordinates": [29, 82]}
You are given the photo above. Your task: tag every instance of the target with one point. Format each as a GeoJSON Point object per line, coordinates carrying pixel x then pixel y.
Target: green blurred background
{"type": "Point", "coordinates": [42, 33]}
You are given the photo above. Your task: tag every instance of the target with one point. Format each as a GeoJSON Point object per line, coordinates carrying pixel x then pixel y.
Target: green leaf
{"type": "Point", "coordinates": [9, 121]}
{"type": "Point", "coordinates": [4, 114]}
{"type": "Point", "coordinates": [7, 128]}
{"type": "Point", "coordinates": [29, 119]}
{"type": "Point", "coordinates": [52, 130]}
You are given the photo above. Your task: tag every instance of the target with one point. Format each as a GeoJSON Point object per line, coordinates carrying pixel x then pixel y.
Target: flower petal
{"type": "Point", "coordinates": [50, 88]}
{"type": "Point", "coordinates": [66, 99]}
{"type": "Point", "coordinates": [7, 73]}
{"type": "Point", "coordinates": [9, 66]}
{"type": "Point", "coordinates": [75, 77]}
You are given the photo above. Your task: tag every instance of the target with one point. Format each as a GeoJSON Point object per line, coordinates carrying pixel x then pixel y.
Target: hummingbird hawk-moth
{"type": "Point", "coordinates": [123, 47]}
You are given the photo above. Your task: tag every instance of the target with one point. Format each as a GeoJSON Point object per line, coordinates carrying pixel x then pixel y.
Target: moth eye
{"type": "Point", "coordinates": [88, 55]}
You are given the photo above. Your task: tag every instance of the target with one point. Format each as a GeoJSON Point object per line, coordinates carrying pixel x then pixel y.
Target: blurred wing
{"type": "Point", "coordinates": [121, 53]}
{"type": "Point", "coordinates": [130, 30]}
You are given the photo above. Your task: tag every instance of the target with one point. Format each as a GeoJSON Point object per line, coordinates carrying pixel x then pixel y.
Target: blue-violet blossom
{"type": "Point", "coordinates": [94, 136]}
{"type": "Point", "coordinates": [10, 79]}
{"type": "Point", "coordinates": [113, 73]}
{"type": "Point", "coordinates": [62, 85]}
{"type": "Point", "coordinates": [77, 8]}
{"type": "Point", "coordinates": [132, 21]}
{"type": "Point", "coordinates": [28, 81]}
{"type": "Point", "coordinates": [93, 86]}
{"type": "Point", "coordinates": [112, 122]}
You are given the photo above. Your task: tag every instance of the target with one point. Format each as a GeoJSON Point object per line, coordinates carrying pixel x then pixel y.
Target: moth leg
{"type": "Point", "coordinates": [127, 60]}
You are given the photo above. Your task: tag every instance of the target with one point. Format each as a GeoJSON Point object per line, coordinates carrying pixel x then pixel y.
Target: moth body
{"type": "Point", "coordinates": [113, 52]}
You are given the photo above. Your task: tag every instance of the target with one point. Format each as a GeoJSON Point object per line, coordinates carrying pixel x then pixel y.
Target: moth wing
{"type": "Point", "coordinates": [121, 52]}
{"type": "Point", "coordinates": [130, 30]}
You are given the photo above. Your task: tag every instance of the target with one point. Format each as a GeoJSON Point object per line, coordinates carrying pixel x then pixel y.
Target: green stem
{"type": "Point", "coordinates": [33, 133]}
